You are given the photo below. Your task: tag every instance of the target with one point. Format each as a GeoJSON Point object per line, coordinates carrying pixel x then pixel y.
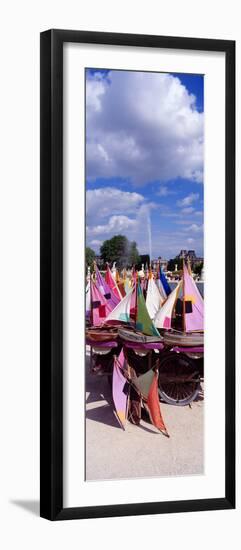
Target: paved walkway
{"type": "Point", "coordinates": [140, 451]}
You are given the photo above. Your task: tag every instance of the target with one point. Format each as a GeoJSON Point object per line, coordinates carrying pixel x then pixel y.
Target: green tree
{"type": "Point", "coordinates": [133, 257]}
{"type": "Point", "coordinates": [120, 250]}
{"type": "Point", "coordinates": [89, 257]}
{"type": "Point", "coordinates": [173, 262]}
{"type": "Point", "coordinates": [198, 268]}
{"type": "Point", "coordinates": [144, 259]}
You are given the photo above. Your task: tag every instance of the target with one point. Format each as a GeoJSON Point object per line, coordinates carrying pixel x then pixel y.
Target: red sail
{"type": "Point", "coordinates": [154, 407]}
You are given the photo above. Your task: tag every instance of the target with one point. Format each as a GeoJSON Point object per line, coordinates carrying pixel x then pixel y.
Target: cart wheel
{"type": "Point", "coordinates": [182, 383]}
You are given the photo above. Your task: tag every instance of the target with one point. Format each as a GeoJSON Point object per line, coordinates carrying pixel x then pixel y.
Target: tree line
{"type": "Point", "coordinates": [117, 249]}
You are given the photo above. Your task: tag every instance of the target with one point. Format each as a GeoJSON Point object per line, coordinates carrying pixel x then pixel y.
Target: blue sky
{"type": "Point", "coordinates": [144, 160]}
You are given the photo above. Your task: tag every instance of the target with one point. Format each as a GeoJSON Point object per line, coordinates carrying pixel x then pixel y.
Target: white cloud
{"type": "Point", "coordinates": [194, 228]}
{"type": "Point", "coordinates": [95, 88]}
{"type": "Point", "coordinates": [190, 241]}
{"type": "Point", "coordinates": [116, 224]}
{"type": "Point", "coordinates": [96, 242]}
{"type": "Point", "coordinates": [136, 228]}
{"type": "Point", "coordinates": [164, 191]}
{"type": "Point", "coordinates": [102, 202]}
{"type": "Point", "coordinates": [188, 210]}
{"type": "Point", "coordinates": [187, 201]}
{"type": "Point", "coordinates": [142, 126]}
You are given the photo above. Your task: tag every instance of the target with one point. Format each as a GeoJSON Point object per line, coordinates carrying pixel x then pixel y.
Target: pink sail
{"type": "Point", "coordinates": [106, 290]}
{"type": "Point", "coordinates": [194, 304]}
{"type": "Point", "coordinates": [112, 283]}
{"type": "Point", "coordinates": [87, 301]}
{"type": "Point", "coordinates": [133, 306]}
{"type": "Point", "coordinates": [120, 390]}
{"type": "Point", "coordinates": [99, 306]}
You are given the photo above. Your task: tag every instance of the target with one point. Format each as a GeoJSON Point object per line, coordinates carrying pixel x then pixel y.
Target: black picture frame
{"type": "Point", "coordinates": [51, 322]}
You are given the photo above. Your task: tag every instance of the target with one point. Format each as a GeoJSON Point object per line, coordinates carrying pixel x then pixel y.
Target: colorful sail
{"type": "Point", "coordinates": [133, 310]}
{"type": "Point", "coordinates": [121, 313]}
{"type": "Point", "coordinates": [99, 306]}
{"type": "Point", "coordinates": [143, 383]}
{"type": "Point", "coordinates": [126, 282]}
{"type": "Point", "coordinates": [120, 390]}
{"type": "Point", "coordinates": [147, 386]}
{"type": "Point", "coordinates": [163, 318]}
{"type": "Point", "coordinates": [161, 287]}
{"type": "Point", "coordinates": [120, 284]}
{"type": "Point", "coordinates": [143, 320]}
{"type": "Point", "coordinates": [87, 301]}
{"type": "Point", "coordinates": [165, 283]}
{"type": "Point", "coordinates": [153, 406]}
{"type": "Point", "coordinates": [154, 300]}
{"type": "Point", "coordinates": [105, 289]}
{"type": "Point", "coordinates": [194, 304]}
{"type": "Point", "coordinates": [112, 283]}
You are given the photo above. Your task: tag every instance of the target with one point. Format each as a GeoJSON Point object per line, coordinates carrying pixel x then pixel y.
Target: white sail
{"type": "Point", "coordinates": [164, 315]}
{"type": "Point", "coordinates": [154, 300]}
{"type": "Point", "coordinates": [122, 311]}
{"type": "Point", "coordinates": [160, 288]}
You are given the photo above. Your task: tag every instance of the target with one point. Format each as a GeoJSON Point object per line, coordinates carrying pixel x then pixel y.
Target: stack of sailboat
{"type": "Point", "coordinates": [127, 325]}
{"type": "Point", "coordinates": [192, 331]}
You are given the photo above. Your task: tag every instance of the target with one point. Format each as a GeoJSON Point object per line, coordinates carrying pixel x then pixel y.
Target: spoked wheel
{"type": "Point", "coordinates": [179, 380]}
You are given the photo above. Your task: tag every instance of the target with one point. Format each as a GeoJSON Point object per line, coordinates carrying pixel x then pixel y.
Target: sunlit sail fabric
{"type": "Point", "coordinates": [163, 317]}
{"type": "Point", "coordinates": [87, 301]}
{"type": "Point", "coordinates": [112, 283]}
{"type": "Point", "coordinates": [121, 313]}
{"type": "Point", "coordinates": [126, 282]}
{"type": "Point", "coordinates": [147, 386]}
{"type": "Point", "coordinates": [106, 290]}
{"type": "Point", "coordinates": [143, 320]}
{"type": "Point", "coordinates": [120, 390]}
{"type": "Point", "coordinates": [162, 284]}
{"type": "Point", "coordinates": [194, 304]}
{"type": "Point", "coordinates": [99, 306]}
{"type": "Point", "coordinates": [120, 284]}
{"type": "Point", "coordinates": [154, 299]}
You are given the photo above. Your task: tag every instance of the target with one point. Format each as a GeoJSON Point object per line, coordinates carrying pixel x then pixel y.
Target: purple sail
{"type": "Point", "coordinates": [120, 390]}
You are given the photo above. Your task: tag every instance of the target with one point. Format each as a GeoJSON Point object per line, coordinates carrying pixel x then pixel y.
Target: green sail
{"type": "Point", "coordinates": [143, 320]}
{"type": "Point", "coordinates": [144, 382]}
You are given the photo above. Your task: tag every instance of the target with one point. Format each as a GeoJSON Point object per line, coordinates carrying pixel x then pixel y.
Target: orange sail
{"type": "Point", "coordinates": [154, 407]}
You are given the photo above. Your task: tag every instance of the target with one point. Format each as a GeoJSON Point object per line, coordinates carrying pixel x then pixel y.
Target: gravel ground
{"type": "Point", "coordinates": [140, 451]}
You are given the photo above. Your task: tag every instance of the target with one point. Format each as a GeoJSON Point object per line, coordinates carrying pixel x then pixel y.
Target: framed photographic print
{"type": "Point", "coordinates": [137, 274]}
